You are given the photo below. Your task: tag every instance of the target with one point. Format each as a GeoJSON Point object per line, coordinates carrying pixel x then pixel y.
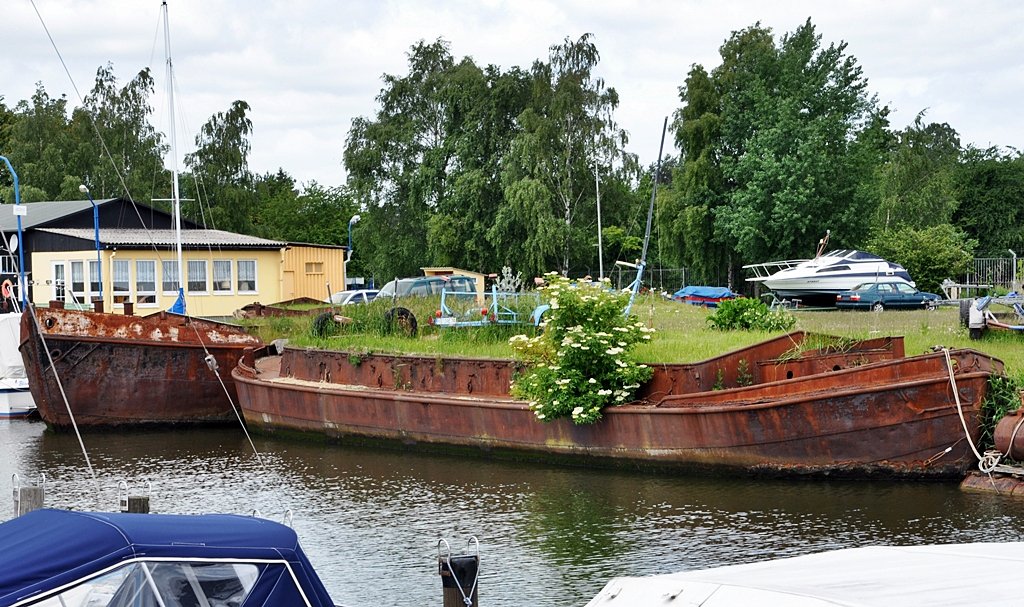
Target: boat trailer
{"type": "Point", "coordinates": [979, 316]}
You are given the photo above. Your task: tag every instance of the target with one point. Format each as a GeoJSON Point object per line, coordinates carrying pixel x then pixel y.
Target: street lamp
{"type": "Point", "coordinates": [19, 211]}
{"type": "Point", "coordinates": [96, 235]}
{"type": "Point", "coordinates": [348, 254]}
{"type": "Point", "coordinates": [600, 253]}
{"type": "Point", "coordinates": [1013, 280]}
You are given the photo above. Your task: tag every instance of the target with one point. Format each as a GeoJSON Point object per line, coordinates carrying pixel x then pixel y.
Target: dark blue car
{"type": "Point", "coordinates": [885, 295]}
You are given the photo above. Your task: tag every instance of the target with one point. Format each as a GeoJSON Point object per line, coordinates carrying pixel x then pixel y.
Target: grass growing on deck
{"type": "Point", "coordinates": [683, 334]}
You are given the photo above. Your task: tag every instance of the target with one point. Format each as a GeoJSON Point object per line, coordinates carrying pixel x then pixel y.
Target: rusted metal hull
{"type": "Point", "coordinates": [892, 418]}
{"type": "Point", "coordinates": [1009, 433]}
{"type": "Point", "coordinates": [121, 370]}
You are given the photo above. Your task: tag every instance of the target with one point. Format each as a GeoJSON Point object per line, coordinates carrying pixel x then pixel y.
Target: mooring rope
{"type": "Point", "coordinates": [64, 396]}
{"type": "Point", "coordinates": [211, 362]}
{"type": "Point", "coordinates": [959, 406]}
{"type": "Point", "coordinates": [988, 462]}
{"type": "Point", "coordinates": [467, 599]}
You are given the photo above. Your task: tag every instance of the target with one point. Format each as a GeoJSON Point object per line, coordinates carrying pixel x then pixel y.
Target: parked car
{"type": "Point", "coordinates": [428, 285]}
{"type": "Point", "coordinates": [353, 296]}
{"type": "Point", "coordinates": [883, 295]}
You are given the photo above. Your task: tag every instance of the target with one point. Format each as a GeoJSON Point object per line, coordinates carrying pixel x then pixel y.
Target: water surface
{"type": "Point", "coordinates": [549, 536]}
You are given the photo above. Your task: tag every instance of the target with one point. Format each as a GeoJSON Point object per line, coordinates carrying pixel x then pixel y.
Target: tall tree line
{"type": "Point", "coordinates": [482, 167]}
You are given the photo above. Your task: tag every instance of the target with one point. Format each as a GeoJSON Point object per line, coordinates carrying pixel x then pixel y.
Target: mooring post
{"type": "Point", "coordinates": [459, 576]}
{"type": "Point", "coordinates": [27, 499]}
{"type": "Point", "coordinates": [138, 504]}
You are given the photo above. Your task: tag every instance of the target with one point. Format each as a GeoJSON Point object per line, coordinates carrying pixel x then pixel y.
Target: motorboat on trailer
{"type": "Point", "coordinates": [822, 278]}
{"type": "Point", "coordinates": [60, 558]}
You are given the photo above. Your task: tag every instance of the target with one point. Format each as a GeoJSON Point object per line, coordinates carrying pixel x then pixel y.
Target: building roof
{"type": "Point", "coordinates": [42, 213]}
{"type": "Point", "coordinates": [122, 237]}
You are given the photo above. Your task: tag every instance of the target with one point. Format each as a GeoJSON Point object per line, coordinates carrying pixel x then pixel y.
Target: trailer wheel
{"type": "Point", "coordinates": [965, 311]}
{"type": "Point", "coordinates": [324, 325]}
{"type": "Point", "coordinates": [976, 333]}
{"type": "Point", "coordinates": [401, 320]}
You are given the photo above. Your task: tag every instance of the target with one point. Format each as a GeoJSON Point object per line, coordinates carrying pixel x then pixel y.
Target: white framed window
{"type": "Point", "coordinates": [197, 276]}
{"type": "Point", "coordinates": [222, 283]}
{"type": "Point", "coordinates": [78, 282]}
{"type": "Point", "coordinates": [145, 282]}
{"type": "Point", "coordinates": [246, 275]}
{"type": "Point", "coordinates": [59, 281]}
{"type": "Point", "coordinates": [121, 281]}
{"type": "Point", "coordinates": [95, 288]}
{"type": "Point", "coordinates": [169, 284]}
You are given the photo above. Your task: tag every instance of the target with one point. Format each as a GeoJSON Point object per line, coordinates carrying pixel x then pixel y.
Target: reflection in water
{"type": "Point", "coordinates": [549, 536]}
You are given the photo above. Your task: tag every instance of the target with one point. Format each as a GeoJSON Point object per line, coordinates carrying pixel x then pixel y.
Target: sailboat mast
{"type": "Point", "coordinates": [175, 192]}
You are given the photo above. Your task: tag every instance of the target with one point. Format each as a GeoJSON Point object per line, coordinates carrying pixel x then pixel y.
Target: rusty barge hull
{"type": "Point", "coordinates": [835, 423]}
{"type": "Point", "coordinates": [121, 370]}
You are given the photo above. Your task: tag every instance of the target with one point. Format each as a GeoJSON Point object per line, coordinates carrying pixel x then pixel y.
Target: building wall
{"type": "Point", "coordinates": [311, 268]}
{"type": "Point", "coordinates": [219, 299]}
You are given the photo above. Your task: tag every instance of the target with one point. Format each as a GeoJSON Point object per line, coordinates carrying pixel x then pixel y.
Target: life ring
{"type": "Point", "coordinates": [5, 289]}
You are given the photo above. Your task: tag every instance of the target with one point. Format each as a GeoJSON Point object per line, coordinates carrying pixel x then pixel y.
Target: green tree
{"type": "Point", "coordinates": [794, 176]}
{"type": "Point", "coordinates": [698, 190]}
{"type": "Point", "coordinates": [398, 162]}
{"type": "Point", "coordinates": [547, 173]}
{"type": "Point", "coordinates": [990, 185]}
{"type": "Point", "coordinates": [930, 254]}
{"type": "Point", "coordinates": [220, 170]}
{"type": "Point", "coordinates": [776, 147]}
{"type": "Point", "coordinates": [114, 148]}
{"type": "Point", "coordinates": [482, 105]}
{"type": "Point", "coordinates": [917, 185]}
{"type": "Point", "coordinates": [38, 142]}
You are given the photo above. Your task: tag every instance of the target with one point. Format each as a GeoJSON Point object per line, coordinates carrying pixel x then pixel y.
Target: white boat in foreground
{"type": "Point", "coordinates": [15, 398]}
{"type": "Point", "coordinates": [826, 275]}
{"type": "Point", "coordinates": [908, 576]}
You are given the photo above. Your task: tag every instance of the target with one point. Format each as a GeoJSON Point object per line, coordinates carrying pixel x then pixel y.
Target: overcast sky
{"type": "Point", "coordinates": [308, 67]}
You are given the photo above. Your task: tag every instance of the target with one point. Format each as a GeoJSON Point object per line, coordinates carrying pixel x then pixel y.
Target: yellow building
{"type": "Point", "coordinates": [71, 247]}
{"type": "Point", "coordinates": [308, 269]}
{"type": "Point", "coordinates": [223, 271]}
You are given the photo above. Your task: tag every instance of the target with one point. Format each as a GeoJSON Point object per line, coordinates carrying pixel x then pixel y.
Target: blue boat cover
{"type": "Point", "coordinates": [706, 292]}
{"type": "Point", "coordinates": [46, 549]}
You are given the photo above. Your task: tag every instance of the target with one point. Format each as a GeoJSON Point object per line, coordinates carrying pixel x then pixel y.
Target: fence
{"type": "Point", "coordinates": [993, 271]}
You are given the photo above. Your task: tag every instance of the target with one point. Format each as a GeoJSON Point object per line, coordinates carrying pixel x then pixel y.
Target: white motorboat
{"type": "Point", "coordinates": [826, 275]}
{"type": "Point", "coordinates": [15, 398]}
{"type": "Point", "coordinates": [876, 576]}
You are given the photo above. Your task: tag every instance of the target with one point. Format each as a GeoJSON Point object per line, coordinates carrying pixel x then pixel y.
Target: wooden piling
{"type": "Point", "coordinates": [27, 499]}
{"type": "Point", "coordinates": [458, 580]}
{"type": "Point", "coordinates": [138, 504]}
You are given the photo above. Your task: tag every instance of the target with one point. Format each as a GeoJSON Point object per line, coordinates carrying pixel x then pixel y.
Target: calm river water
{"type": "Point", "coordinates": [549, 536]}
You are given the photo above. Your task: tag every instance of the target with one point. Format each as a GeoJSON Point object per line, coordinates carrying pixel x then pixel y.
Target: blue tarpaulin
{"type": "Point", "coordinates": [704, 292]}
{"type": "Point", "coordinates": [48, 549]}
{"type": "Point", "coordinates": [703, 296]}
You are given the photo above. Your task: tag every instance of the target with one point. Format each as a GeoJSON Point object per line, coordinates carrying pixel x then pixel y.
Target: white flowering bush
{"type": "Point", "coordinates": [581, 362]}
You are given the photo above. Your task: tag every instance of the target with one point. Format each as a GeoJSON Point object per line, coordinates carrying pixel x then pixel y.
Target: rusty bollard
{"type": "Point", "coordinates": [459, 575]}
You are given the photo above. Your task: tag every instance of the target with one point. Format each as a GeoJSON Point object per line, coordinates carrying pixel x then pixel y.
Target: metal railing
{"type": "Point", "coordinates": [995, 271]}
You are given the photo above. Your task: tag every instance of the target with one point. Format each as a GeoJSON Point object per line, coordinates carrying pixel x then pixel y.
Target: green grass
{"type": "Point", "coordinates": [683, 333]}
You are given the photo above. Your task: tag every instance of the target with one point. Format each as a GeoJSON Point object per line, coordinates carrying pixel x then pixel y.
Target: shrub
{"type": "Point", "coordinates": [930, 255]}
{"type": "Point", "coordinates": [581, 361]}
{"type": "Point", "coordinates": [749, 314]}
